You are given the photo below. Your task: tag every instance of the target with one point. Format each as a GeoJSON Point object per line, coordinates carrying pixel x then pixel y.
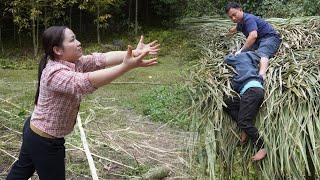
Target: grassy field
{"type": "Point", "coordinates": [125, 143]}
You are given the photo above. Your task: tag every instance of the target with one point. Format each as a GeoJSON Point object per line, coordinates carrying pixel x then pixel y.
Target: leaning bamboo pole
{"type": "Point", "coordinates": [288, 119]}
{"type": "Point", "coordinates": [86, 149]}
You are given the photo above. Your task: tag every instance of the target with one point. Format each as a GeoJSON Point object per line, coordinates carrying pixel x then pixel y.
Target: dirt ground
{"type": "Point", "coordinates": [125, 148]}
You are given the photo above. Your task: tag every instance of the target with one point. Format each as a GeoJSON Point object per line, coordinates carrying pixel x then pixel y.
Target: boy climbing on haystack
{"type": "Point", "coordinates": [250, 64]}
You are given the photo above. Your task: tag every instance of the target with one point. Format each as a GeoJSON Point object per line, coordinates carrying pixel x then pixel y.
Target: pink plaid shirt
{"type": "Point", "coordinates": [62, 86]}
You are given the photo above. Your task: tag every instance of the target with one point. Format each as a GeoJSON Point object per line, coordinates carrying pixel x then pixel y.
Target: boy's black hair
{"type": "Point", "coordinates": [232, 5]}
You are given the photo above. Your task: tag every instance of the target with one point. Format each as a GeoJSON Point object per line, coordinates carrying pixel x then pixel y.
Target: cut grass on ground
{"type": "Point", "coordinates": [113, 130]}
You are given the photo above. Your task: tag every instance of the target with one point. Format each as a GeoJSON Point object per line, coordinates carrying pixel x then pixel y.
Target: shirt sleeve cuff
{"type": "Point", "coordinates": [89, 87]}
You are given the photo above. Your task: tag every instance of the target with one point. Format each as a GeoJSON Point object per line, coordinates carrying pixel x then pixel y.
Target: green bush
{"type": "Point", "coordinates": [264, 8]}
{"type": "Point", "coordinates": [92, 47]}
{"type": "Point", "coordinates": [25, 63]}
{"type": "Point", "coordinates": [276, 8]}
{"type": "Point", "coordinates": [197, 8]}
{"type": "Point", "coordinates": [166, 104]}
{"type": "Point", "coordinates": [175, 42]}
{"type": "Point", "coordinates": [167, 38]}
{"type": "Point", "coordinates": [168, 10]}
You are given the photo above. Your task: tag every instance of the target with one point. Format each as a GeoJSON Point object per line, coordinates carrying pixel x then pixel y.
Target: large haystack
{"type": "Point", "coordinates": [289, 119]}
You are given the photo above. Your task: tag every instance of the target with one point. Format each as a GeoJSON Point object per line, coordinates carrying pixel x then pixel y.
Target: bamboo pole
{"type": "Point", "coordinates": [87, 151]}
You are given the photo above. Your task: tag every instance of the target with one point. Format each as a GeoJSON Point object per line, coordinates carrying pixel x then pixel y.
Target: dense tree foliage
{"type": "Point", "coordinates": [28, 18]}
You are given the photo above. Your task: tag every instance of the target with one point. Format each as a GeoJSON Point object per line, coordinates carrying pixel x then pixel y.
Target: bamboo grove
{"type": "Point", "coordinates": [288, 120]}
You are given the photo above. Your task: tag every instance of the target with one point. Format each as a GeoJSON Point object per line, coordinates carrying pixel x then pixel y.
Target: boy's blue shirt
{"type": "Point", "coordinates": [251, 22]}
{"type": "Point", "coordinates": [246, 65]}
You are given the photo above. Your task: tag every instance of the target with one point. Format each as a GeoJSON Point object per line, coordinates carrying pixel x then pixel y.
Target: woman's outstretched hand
{"type": "Point", "coordinates": [105, 76]}
{"type": "Point", "coordinates": [153, 48]}
{"type": "Point", "coordinates": [130, 61]}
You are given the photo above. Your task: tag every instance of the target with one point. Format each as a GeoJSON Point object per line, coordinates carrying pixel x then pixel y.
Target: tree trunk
{"type": "Point", "coordinates": [129, 17]}
{"type": "Point", "coordinates": [14, 32]}
{"type": "Point", "coordinates": [80, 21]}
{"type": "Point", "coordinates": [136, 20]}
{"type": "Point", "coordinates": [147, 13]}
{"type": "Point", "coordinates": [2, 50]}
{"type": "Point", "coordinates": [45, 18]}
{"type": "Point", "coordinates": [19, 38]}
{"type": "Point", "coordinates": [98, 31]}
{"type": "Point", "coordinates": [70, 14]}
{"type": "Point", "coordinates": [37, 35]}
{"type": "Point", "coordinates": [34, 37]}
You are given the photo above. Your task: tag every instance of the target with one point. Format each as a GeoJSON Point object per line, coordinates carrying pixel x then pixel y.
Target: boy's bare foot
{"type": "Point", "coordinates": [243, 138]}
{"type": "Point", "coordinates": [259, 155]}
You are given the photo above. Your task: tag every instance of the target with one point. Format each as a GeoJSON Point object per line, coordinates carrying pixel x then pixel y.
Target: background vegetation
{"type": "Point", "coordinates": [103, 25]}
{"type": "Point", "coordinates": [21, 18]}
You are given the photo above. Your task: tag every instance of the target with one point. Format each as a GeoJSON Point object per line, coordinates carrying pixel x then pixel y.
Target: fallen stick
{"type": "Point", "coordinates": [12, 104]}
{"type": "Point", "coordinates": [5, 152]}
{"type": "Point", "coordinates": [20, 133]}
{"type": "Point", "coordinates": [104, 158]}
{"type": "Point", "coordinates": [118, 82]}
{"type": "Point", "coordinates": [148, 83]}
{"type": "Point", "coordinates": [111, 140]}
{"type": "Point", "coordinates": [87, 151]}
{"type": "Point", "coordinates": [157, 173]}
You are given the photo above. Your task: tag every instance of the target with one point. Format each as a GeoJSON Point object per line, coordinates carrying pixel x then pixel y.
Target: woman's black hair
{"type": "Point", "coordinates": [232, 5]}
{"type": "Point", "coordinates": [51, 37]}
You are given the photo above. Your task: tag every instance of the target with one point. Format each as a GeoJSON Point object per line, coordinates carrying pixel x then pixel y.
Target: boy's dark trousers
{"type": "Point", "coordinates": [244, 109]}
{"type": "Point", "coordinates": [44, 155]}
